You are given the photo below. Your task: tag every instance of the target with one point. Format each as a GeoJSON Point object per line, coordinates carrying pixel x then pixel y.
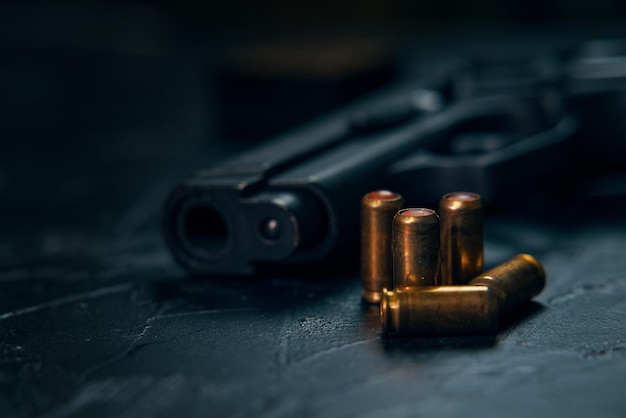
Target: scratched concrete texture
{"type": "Point", "coordinates": [96, 319]}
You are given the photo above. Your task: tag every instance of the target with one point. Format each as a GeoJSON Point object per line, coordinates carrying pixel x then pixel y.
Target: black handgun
{"type": "Point", "coordinates": [295, 200]}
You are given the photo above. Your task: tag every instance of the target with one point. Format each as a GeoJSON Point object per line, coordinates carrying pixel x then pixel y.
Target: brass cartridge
{"type": "Point", "coordinates": [377, 211]}
{"type": "Point", "coordinates": [464, 309]}
{"type": "Point", "coordinates": [415, 247]}
{"type": "Point", "coordinates": [461, 219]}
{"type": "Point", "coordinates": [514, 281]}
{"type": "Point", "coordinates": [439, 310]}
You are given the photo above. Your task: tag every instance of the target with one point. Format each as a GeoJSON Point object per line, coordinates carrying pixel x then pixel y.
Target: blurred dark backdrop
{"type": "Point", "coordinates": [94, 89]}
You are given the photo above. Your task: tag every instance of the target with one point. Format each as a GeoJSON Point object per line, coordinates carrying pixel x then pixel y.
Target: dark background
{"type": "Point", "coordinates": [106, 105]}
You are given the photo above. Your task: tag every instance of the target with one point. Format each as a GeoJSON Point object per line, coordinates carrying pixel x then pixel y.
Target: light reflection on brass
{"type": "Point", "coordinates": [514, 281]}
{"type": "Point", "coordinates": [415, 247]}
{"type": "Point", "coordinates": [377, 211]}
{"type": "Point", "coordinates": [439, 310]}
{"type": "Point", "coordinates": [461, 217]}
{"type": "Point", "coordinates": [464, 309]}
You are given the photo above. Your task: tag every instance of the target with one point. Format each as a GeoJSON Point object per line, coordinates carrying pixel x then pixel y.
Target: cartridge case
{"type": "Point", "coordinates": [415, 247]}
{"type": "Point", "coordinates": [439, 310]}
{"type": "Point", "coordinates": [515, 281]}
{"type": "Point", "coordinates": [377, 211]}
{"type": "Point", "coordinates": [461, 220]}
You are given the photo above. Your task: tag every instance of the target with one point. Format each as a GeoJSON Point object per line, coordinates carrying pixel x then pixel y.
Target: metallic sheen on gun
{"type": "Point", "coordinates": [295, 200]}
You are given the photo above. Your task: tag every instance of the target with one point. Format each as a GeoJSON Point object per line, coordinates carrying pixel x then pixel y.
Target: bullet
{"type": "Point", "coordinates": [377, 211]}
{"type": "Point", "coordinates": [515, 281]}
{"type": "Point", "coordinates": [463, 309]}
{"type": "Point", "coordinates": [415, 247]}
{"type": "Point", "coordinates": [461, 219]}
{"type": "Point", "coordinates": [439, 310]}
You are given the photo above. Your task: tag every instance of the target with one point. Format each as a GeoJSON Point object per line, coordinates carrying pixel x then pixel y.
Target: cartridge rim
{"type": "Point", "coordinates": [416, 212]}
{"type": "Point", "coordinates": [461, 196]}
{"type": "Point", "coordinates": [383, 195]}
{"type": "Point", "coordinates": [416, 215]}
{"type": "Point", "coordinates": [371, 296]}
{"type": "Point", "coordinates": [386, 314]}
{"type": "Point", "coordinates": [460, 202]}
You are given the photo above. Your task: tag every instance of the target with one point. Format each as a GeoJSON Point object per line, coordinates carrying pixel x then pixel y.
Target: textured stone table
{"type": "Point", "coordinates": [96, 319]}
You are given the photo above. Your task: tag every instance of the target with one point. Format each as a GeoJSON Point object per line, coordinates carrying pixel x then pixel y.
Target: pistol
{"type": "Point", "coordinates": [294, 200]}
